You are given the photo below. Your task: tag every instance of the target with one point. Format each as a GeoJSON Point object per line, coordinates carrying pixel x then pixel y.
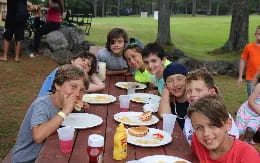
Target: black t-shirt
{"type": "Point", "coordinates": [181, 110]}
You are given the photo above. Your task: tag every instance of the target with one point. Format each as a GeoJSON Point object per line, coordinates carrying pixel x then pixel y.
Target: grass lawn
{"type": "Point", "coordinates": [20, 82]}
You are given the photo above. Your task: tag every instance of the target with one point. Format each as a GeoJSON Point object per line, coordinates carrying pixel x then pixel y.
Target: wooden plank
{"type": "Point", "coordinates": [51, 151]}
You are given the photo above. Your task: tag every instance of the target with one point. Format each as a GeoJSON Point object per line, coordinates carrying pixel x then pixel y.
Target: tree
{"type": "Point", "coordinates": [238, 36]}
{"type": "Point", "coordinates": [194, 7]}
{"type": "Point", "coordinates": [164, 34]}
{"type": "Point", "coordinates": [209, 7]}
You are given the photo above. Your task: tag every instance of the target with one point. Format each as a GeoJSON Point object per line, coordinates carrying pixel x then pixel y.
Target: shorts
{"type": "Point", "coordinates": [16, 30]}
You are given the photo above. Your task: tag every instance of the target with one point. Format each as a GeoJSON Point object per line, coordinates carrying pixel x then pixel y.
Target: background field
{"type": "Point", "coordinates": [20, 82]}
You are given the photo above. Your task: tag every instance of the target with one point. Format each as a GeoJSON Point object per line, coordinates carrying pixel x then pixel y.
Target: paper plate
{"type": "Point", "coordinates": [126, 85]}
{"type": "Point", "coordinates": [82, 120]}
{"type": "Point", "coordinates": [144, 97]}
{"type": "Point", "coordinates": [149, 140]}
{"type": "Point", "coordinates": [133, 119]}
{"type": "Point", "coordinates": [98, 98]}
{"type": "Point", "coordinates": [161, 159]}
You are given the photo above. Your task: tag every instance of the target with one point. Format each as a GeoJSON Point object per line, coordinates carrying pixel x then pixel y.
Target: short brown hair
{"type": "Point", "coordinates": [69, 72]}
{"type": "Point", "coordinates": [212, 107]}
{"type": "Point", "coordinates": [113, 34]}
{"type": "Point", "coordinates": [257, 27]}
{"type": "Point", "coordinates": [201, 74]}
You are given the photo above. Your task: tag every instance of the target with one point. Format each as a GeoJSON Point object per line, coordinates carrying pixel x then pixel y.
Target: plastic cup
{"type": "Point", "coordinates": [130, 91]}
{"type": "Point", "coordinates": [169, 122]}
{"type": "Point", "coordinates": [102, 70]}
{"type": "Point", "coordinates": [124, 103]}
{"type": "Point", "coordinates": [66, 135]}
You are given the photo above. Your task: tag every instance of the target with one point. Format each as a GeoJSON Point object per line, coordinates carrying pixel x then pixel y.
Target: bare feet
{"type": "Point", "coordinates": [3, 58]}
{"type": "Point", "coordinates": [17, 59]}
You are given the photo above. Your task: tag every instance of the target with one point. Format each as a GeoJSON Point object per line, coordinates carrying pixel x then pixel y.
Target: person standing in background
{"type": "Point", "coordinates": [250, 59]}
{"type": "Point", "coordinates": [16, 17]}
{"type": "Point", "coordinates": [53, 20]}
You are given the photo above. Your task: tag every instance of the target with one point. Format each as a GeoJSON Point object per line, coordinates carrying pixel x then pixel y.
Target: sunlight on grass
{"type": "Point", "coordinates": [196, 36]}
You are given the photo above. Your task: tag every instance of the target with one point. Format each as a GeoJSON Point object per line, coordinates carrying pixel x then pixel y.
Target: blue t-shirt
{"type": "Point", "coordinates": [40, 111]}
{"type": "Point", "coordinates": [47, 84]}
{"type": "Point", "coordinates": [159, 83]}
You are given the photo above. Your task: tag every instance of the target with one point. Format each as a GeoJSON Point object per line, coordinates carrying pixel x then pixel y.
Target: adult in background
{"type": "Point", "coordinates": [16, 17]}
{"type": "Point", "coordinates": [250, 59]}
{"type": "Point", "coordinates": [53, 20]}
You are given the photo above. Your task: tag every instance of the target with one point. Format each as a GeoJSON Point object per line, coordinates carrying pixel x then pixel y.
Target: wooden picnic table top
{"type": "Point", "coordinates": [51, 152]}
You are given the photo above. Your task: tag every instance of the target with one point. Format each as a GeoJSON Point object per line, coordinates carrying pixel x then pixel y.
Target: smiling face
{"type": "Point", "coordinates": [176, 85]}
{"type": "Point", "coordinates": [214, 138]}
{"type": "Point", "coordinates": [197, 89]}
{"type": "Point", "coordinates": [82, 63]}
{"type": "Point", "coordinates": [134, 58]}
{"type": "Point", "coordinates": [153, 64]}
{"type": "Point", "coordinates": [117, 46]}
{"type": "Point", "coordinates": [71, 87]}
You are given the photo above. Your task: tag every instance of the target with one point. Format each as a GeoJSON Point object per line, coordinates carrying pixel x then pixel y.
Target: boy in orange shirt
{"type": "Point", "coordinates": [211, 142]}
{"type": "Point", "coordinates": [250, 59]}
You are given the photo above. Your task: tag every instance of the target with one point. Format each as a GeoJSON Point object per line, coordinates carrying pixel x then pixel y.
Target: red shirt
{"type": "Point", "coordinates": [251, 54]}
{"type": "Point", "coordinates": [239, 153]}
{"type": "Point", "coordinates": [53, 16]}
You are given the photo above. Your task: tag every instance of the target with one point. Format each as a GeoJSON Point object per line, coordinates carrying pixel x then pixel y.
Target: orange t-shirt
{"type": "Point", "coordinates": [239, 153]}
{"type": "Point", "coordinates": [251, 54]}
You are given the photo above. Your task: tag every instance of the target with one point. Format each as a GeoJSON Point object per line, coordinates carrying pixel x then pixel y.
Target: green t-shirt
{"type": "Point", "coordinates": [145, 77]}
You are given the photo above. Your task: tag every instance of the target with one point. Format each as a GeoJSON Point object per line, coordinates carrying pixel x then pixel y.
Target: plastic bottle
{"type": "Point", "coordinates": [95, 148]}
{"type": "Point", "coordinates": [120, 143]}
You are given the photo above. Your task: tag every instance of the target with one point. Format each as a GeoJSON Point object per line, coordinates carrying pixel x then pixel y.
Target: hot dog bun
{"type": "Point", "coordinates": [146, 116]}
{"type": "Point", "coordinates": [78, 105]}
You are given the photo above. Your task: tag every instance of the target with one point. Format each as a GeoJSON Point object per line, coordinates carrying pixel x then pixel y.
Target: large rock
{"type": "Point", "coordinates": [56, 40]}
{"type": "Point", "coordinates": [215, 67]}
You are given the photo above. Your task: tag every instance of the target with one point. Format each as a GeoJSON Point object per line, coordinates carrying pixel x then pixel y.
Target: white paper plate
{"type": "Point", "coordinates": [82, 120]}
{"type": "Point", "coordinates": [125, 85]}
{"type": "Point", "coordinates": [161, 159]}
{"type": "Point", "coordinates": [133, 119]}
{"type": "Point", "coordinates": [98, 98]}
{"type": "Point", "coordinates": [144, 97]}
{"type": "Point", "coordinates": [148, 140]}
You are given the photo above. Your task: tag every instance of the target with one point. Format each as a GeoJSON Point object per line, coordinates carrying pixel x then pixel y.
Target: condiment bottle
{"type": "Point", "coordinates": [120, 143]}
{"type": "Point", "coordinates": [95, 148]}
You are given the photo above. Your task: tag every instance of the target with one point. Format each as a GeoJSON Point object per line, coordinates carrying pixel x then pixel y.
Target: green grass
{"type": "Point", "coordinates": [196, 36]}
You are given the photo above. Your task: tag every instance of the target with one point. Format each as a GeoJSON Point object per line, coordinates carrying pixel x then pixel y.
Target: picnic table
{"type": "Point", "coordinates": [51, 152]}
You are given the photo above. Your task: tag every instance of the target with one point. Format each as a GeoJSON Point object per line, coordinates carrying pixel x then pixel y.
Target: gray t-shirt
{"type": "Point", "coordinates": [112, 62]}
{"type": "Point", "coordinates": [40, 111]}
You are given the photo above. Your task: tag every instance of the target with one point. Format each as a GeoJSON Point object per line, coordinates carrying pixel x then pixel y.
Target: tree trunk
{"type": "Point", "coordinates": [238, 36]}
{"type": "Point", "coordinates": [209, 7]}
{"type": "Point", "coordinates": [217, 9]}
{"type": "Point", "coordinates": [194, 8]}
{"type": "Point", "coordinates": [95, 7]}
{"type": "Point", "coordinates": [103, 8]}
{"type": "Point", "coordinates": [164, 34]}
{"type": "Point", "coordinates": [118, 7]}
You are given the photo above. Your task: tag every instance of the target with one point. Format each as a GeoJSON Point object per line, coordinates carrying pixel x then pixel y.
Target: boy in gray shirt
{"type": "Point", "coordinates": [46, 113]}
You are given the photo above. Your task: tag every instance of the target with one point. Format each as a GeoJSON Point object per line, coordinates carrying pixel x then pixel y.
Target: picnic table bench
{"type": "Point", "coordinates": [81, 20]}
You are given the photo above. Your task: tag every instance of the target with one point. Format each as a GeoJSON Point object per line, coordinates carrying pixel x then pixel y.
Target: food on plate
{"type": "Point", "coordinates": [158, 136]}
{"type": "Point", "coordinates": [180, 162]}
{"type": "Point", "coordinates": [98, 98]}
{"type": "Point", "coordinates": [140, 141]}
{"type": "Point", "coordinates": [146, 116]}
{"type": "Point", "coordinates": [138, 99]}
{"type": "Point", "coordinates": [78, 105]}
{"type": "Point", "coordinates": [138, 131]}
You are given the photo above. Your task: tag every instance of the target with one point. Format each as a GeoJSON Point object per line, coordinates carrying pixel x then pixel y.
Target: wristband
{"type": "Point", "coordinates": [62, 114]}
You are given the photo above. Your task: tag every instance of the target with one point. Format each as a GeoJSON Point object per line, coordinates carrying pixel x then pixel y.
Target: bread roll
{"type": "Point", "coordinates": [146, 116]}
{"type": "Point", "coordinates": [78, 105]}
{"type": "Point", "coordinates": [138, 131]}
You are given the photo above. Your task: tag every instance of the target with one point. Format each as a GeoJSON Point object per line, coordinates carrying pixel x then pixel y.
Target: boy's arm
{"type": "Point", "coordinates": [252, 98]}
{"type": "Point", "coordinates": [165, 106]}
{"type": "Point", "coordinates": [242, 66]}
{"type": "Point", "coordinates": [96, 84]}
{"type": "Point", "coordinates": [42, 131]}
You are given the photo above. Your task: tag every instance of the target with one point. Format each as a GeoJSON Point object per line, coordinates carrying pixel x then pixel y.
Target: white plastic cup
{"type": "Point", "coordinates": [130, 91]}
{"type": "Point", "coordinates": [124, 103]}
{"type": "Point", "coordinates": [66, 135]}
{"type": "Point", "coordinates": [102, 70]}
{"type": "Point", "coordinates": [169, 122]}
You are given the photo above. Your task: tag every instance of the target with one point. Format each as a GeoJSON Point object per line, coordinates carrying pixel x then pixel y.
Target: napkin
{"type": "Point", "coordinates": [151, 106]}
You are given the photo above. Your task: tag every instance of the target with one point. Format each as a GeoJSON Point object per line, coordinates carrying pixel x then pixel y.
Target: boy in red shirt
{"type": "Point", "coordinates": [250, 59]}
{"type": "Point", "coordinates": [211, 142]}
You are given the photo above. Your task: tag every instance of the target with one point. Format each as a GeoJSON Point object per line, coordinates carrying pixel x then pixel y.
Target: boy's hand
{"type": "Point", "coordinates": [239, 82]}
{"type": "Point", "coordinates": [68, 103]}
{"type": "Point", "coordinates": [85, 106]}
